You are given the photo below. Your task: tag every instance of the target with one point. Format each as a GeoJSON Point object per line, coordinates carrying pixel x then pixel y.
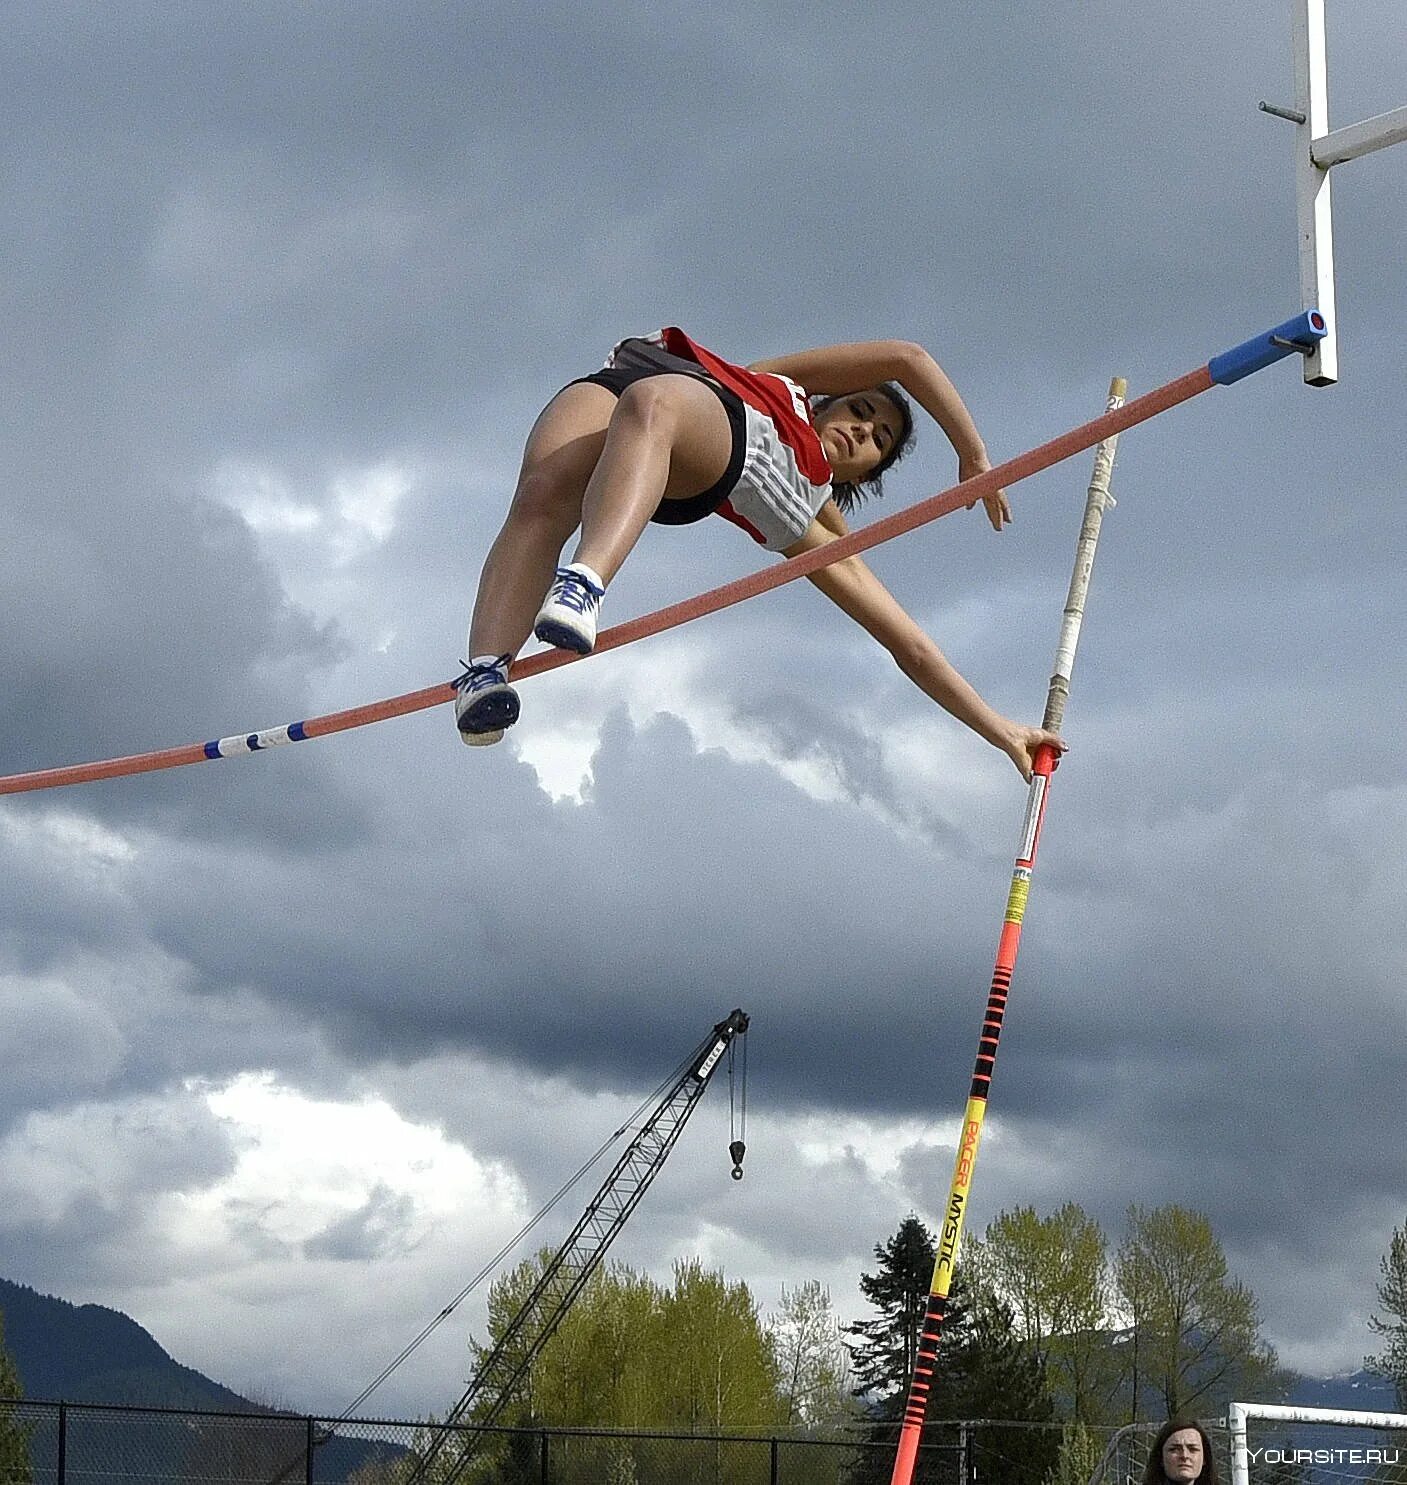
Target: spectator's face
{"type": "Point", "coordinates": [1182, 1456]}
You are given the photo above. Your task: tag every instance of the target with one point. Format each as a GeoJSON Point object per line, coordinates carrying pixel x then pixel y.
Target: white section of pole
{"type": "Point", "coordinates": [1361, 139]}
{"type": "Point", "coordinates": [1097, 498]}
{"type": "Point", "coordinates": [1312, 190]}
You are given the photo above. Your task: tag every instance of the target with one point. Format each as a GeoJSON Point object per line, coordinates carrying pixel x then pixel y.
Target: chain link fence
{"type": "Point", "coordinates": [90, 1444]}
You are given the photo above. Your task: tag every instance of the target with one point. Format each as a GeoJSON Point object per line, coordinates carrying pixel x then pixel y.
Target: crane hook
{"type": "Point", "coordinates": [736, 1151]}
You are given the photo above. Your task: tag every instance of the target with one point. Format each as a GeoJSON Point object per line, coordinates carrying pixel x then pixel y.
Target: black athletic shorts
{"type": "Point", "coordinates": [682, 512]}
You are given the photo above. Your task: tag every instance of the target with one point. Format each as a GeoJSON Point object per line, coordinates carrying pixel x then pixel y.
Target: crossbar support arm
{"type": "Point", "coordinates": [1360, 139]}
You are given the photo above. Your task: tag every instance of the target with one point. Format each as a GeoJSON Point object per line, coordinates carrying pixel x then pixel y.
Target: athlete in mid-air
{"type": "Point", "coordinates": [669, 432]}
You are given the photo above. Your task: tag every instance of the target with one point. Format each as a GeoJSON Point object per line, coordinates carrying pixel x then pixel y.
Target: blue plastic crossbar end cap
{"type": "Point", "coordinates": [1299, 334]}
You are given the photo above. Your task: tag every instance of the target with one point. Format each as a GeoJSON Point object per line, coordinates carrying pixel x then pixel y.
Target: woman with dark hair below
{"type": "Point", "coordinates": [669, 432]}
{"type": "Point", "coordinates": [1181, 1455]}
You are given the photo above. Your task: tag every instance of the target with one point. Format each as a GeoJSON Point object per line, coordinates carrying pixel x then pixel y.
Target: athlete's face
{"type": "Point", "coordinates": [1182, 1456]}
{"type": "Point", "coordinates": [857, 431]}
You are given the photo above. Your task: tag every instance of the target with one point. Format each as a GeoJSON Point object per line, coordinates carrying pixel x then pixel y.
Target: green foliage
{"type": "Point", "coordinates": [1196, 1329]}
{"type": "Point", "coordinates": [507, 1296]}
{"type": "Point", "coordinates": [1391, 1361]}
{"type": "Point", "coordinates": [1053, 1273]}
{"type": "Point", "coordinates": [884, 1348]}
{"type": "Point", "coordinates": [14, 1435]}
{"type": "Point", "coordinates": [631, 1353]}
{"type": "Point", "coordinates": [985, 1368]}
{"type": "Point", "coordinates": [719, 1370]}
{"type": "Point", "coordinates": [1079, 1456]}
{"type": "Point", "coordinates": [813, 1364]}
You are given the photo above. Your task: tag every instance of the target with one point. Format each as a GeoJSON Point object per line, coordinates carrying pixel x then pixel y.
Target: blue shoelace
{"type": "Point", "coordinates": [480, 677]}
{"type": "Point", "coordinates": [575, 592]}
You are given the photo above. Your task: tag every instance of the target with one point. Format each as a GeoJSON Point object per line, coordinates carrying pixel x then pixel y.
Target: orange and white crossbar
{"type": "Point", "coordinates": [1299, 334]}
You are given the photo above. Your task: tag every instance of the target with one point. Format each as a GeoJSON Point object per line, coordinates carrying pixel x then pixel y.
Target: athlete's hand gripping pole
{"type": "Point", "coordinates": [955, 1213]}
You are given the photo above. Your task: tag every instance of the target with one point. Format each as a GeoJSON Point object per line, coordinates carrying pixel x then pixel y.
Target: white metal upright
{"type": "Point", "coordinates": [1317, 149]}
{"type": "Point", "coordinates": [1238, 1415]}
{"type": "Point", "coordinates": [1313, 193]}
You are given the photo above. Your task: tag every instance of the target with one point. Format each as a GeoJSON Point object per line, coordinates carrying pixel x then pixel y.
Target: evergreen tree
{"type": "Point", "coordinates": [885, 1347]}
{"type": "Point", "coordinates": [1391, 1361]}
{"type": "Point", "coordinates": [14, 1434]}
{"type": "Point", "coordinates": [985, 1370]}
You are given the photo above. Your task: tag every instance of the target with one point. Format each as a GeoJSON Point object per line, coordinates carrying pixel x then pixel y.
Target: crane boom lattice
{"type": "Point", "coordinates": [567, 1272]}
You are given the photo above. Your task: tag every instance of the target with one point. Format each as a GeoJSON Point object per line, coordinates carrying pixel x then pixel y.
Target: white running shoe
{"type": "Point", "coordinates": [568, 617]}
{"type": "Point", "coordinates": [484, 702]}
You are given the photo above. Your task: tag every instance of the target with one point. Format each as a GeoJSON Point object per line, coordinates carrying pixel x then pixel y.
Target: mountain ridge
{"type": "Point", "coordinates": [90, 1353]}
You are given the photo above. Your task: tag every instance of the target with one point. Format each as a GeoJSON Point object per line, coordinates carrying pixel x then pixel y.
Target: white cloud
{"type": "Point", "coordinates": [337, 521]}
{"type": "Point", "coordinates": [302, 1162]}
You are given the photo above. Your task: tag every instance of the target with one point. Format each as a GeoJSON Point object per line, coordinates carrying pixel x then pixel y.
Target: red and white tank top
{"type": "Point", "coordinates": [786, 478]}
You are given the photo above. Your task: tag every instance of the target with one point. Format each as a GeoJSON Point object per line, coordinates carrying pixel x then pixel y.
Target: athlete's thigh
{"type": "Point", "coordinates": [566, 440]}
{"type": "Point", "coordinates": [701, 437]}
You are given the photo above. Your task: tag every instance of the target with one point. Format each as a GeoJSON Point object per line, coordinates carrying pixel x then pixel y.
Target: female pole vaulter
{"type": "Point", "coordinates": [668, 432]}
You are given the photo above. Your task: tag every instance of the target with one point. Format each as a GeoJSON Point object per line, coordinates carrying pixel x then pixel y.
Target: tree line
{"type": "Point", "coordinates": [1049, 1322]}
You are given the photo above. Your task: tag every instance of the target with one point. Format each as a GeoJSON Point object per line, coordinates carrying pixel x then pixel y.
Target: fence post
{"type": "Point", "coordinates": [544, 1438]}
{"type": "Point", "coordinates": [773, 1471]}
{"type": "Point", "coordinates": [310, 1445]}
{"type": "Point", "coordinates": [963, 1475]}
{"type": "Point", "coordinates": [62, 1471]}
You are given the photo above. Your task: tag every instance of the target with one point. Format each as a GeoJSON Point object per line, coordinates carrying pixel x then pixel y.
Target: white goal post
{"type": "Point", "coordinates": [1239, 1414]}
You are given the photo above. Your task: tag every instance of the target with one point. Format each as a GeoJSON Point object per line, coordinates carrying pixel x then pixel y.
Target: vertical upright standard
{"type": "Point", "coordinates": [956, 1211]}
{"type": "Point", "coordinates": [1317, 150]}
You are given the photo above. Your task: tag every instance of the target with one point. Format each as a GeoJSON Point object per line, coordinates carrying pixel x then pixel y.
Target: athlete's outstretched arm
{"type": "Point", "coordinates": [836, 369]}
{"type": "Point", "coordinates": [851, 585]}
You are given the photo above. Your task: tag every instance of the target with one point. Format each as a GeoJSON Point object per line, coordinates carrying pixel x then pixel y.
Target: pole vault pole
{"type": "Point", "coordinates": [955, 1212]}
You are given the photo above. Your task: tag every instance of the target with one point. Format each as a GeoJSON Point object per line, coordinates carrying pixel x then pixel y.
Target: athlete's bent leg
{"type": "Point", "coordinates": [561, 452]}
{"type": "Point", "coordinates": [669, 438]}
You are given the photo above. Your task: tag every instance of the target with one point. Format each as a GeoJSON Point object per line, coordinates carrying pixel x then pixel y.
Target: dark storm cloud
{"type": "Point", "coordinates": [455, 938]}
{"type": "Point", "coordinates": [802, 731]}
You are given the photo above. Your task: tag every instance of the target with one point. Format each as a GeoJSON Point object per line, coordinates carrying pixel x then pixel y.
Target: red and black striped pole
{"type": "Point", "coordinates": [955, 1213]}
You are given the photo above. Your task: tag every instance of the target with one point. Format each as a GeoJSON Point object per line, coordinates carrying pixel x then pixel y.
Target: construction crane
{"type": "Point", "coordinates": [567, 1272]}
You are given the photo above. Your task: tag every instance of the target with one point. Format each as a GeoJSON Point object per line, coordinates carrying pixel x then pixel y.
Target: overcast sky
{"type": "Point", "coordinates": [293, 1043]}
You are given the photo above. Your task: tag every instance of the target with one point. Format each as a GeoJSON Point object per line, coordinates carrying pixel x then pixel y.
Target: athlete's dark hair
{"type": "Point", "coordinates": [1153, 1470]}
{"type": "Point", "coordinates": [847, 495]}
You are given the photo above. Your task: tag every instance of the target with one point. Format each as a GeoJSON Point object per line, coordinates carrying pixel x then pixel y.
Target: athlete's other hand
{"type": "Point", "coordinates": [1021, 745]}
{"type": "Point", "coordinates": [998, 506]}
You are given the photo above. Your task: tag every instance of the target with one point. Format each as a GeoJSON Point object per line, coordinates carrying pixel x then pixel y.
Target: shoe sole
{"type": "Point", "coordinates": [490, 714]}
{"type": "Point", "coordinates": [552, 633]}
